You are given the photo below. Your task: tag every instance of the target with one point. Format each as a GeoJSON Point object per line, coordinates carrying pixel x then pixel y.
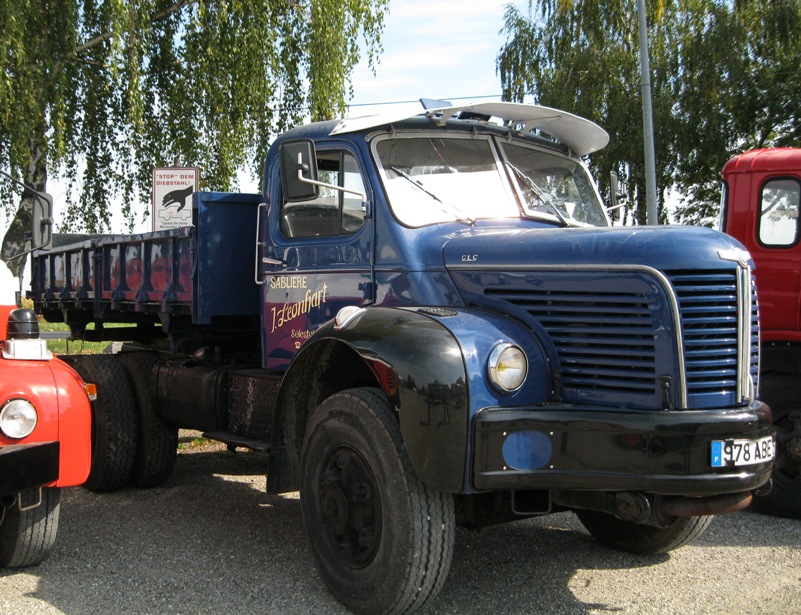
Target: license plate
{"type": "Point", "coordinates": [727, 453]}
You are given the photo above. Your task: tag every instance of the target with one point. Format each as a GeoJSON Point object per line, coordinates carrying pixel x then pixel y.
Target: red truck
{"type": "Point", "coordinates": [45, 423]}
{"type": "Point", "coordinates": [760, 207]}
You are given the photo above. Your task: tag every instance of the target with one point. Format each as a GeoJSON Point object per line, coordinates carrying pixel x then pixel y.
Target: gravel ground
{"type": "Point", "coordinates": [211, 541]}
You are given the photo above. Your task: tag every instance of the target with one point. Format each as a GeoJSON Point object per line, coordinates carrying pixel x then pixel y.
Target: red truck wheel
{"type": "Point", "coordinates": [27, 532]}
{"type": "Point", "coordinates": [642, 539]}
{"type": "Point", "coordinates": [114, 428]}
{"type": "Point", "coordinates": [782, 392]}
{"type": "Point", "coordinates": [157, 443]}
{"type": "Point", "coordinates": [382, 540]}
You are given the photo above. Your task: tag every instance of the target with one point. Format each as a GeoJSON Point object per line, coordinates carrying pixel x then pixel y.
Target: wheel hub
{"type": "Point", "coordinates": [788, 440]}
{"type": "Point", "coordinates": [350, 510]}
{"type": "Point", "coordinates": [793, 449]}
{"type": "Point", "coordinates": [792, 444]}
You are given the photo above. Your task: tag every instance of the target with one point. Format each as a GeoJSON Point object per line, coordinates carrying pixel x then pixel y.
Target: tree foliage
{"type": "Point", "coordinates": [104, 90]}
{"type": "Point", "coordinates": [723, 76]}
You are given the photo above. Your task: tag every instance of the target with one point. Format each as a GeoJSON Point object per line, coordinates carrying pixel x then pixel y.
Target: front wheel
{"type": "Point", "coordinates": [642, 539]}
{"type": "Point", "coordinates": [28, 527]}
{"type": "Point", "coordinates": [382, 540]}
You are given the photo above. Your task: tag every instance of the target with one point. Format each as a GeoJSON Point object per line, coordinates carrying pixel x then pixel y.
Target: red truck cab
{"type": "Point", "coordinates": [45, 438]}
{"type": "Point", "coordinates": [760, 207]}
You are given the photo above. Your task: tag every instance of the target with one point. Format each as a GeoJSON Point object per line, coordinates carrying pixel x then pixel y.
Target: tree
{"type": "Point", "coordinates": [738, 91]}
{"type": "Point", "coordinates": [583, 57]}
{"type": "Point", "coordinates": [724, 73]}
{"type": "Point", "coordinates": [104, 90]}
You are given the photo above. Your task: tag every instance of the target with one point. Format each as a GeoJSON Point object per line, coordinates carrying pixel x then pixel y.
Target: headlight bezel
{"type": "Point", "coordinates": [18, 418]}
{"type": "Point", "coordinates": [503, 359]}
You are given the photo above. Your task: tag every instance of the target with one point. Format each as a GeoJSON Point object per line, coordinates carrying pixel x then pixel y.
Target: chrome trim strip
{"type": "Point", "coordinates": [744, 389]}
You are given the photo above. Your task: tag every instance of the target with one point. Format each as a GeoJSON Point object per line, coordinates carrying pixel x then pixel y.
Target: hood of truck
{"type": "Point", "coordinates": [662, 247]}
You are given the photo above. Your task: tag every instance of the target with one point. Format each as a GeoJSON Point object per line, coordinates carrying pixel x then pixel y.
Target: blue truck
{"type": "Point", "coordinates": [427, 321]}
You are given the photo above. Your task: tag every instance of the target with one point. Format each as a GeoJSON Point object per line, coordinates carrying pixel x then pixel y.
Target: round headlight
{"type": "Point", "coordinates": [18, 418]}
{"type": "Point", "coordinates": [507, 367]}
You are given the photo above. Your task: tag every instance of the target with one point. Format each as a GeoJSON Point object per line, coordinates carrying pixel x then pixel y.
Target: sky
{"type": "Point", "coordinates": [434, 49]}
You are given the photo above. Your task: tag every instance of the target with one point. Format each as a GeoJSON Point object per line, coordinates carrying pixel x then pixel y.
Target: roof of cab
{"type": "Point", "coordinates": [764, 160]}
{"type": "Point", "coordinates": [577, 133]}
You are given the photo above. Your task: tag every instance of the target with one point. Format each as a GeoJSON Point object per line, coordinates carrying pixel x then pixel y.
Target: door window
{"type": "Point", "coordinates": [778, 219]}
{"type": "Point", "coordinates": [333, 212]}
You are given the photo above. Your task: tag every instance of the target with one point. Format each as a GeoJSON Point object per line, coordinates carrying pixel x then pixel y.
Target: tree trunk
{"type": "Point", "coordinates": [14, 240]}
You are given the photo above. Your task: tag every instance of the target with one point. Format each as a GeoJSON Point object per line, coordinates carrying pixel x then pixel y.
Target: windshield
{"type": "Point", "coordinates": [434, 180]}
{"type": "Point", "coordinates": [553, 184]}
{"type": "Point", "coordinates": [440, 180]}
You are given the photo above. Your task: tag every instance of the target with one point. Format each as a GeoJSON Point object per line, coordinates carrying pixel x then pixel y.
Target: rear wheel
{"type": "Point", "coordinates": [157, 442]}
{"type": "Point", "coordinates": [28, 527]}
{"type": "Point", "coordinates": [114, 429]}
{"type": "Point", "coordinates": [782, 392]}
{"type": "Point", "coordinates": [642, 539]}
{"type": "Point", "coordinates": [382, 540]}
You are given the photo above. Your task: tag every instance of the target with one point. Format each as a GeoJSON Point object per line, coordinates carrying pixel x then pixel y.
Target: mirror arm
{"type": "Point", "coordinates": [304, 167]}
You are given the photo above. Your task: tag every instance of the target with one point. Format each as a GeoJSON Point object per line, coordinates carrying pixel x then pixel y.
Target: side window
{"type": "Point", "coordinates": [334, 212]}
{"type": "Point", "coordinates": [778, 217]}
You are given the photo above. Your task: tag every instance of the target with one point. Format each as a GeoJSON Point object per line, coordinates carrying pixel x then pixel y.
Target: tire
{"type": "Point", "coordinates": [26, 536]}
{"type": "Point", "coordinates": [642, 539]}
{"type": "Point", "coordinates": [114, 430]}
{"type": "Point", "coordinates": [382, 540]}
{"type": "Point", "coordinates": [157, 442]}
{"type": "Point", "coordinates": [782, 392]}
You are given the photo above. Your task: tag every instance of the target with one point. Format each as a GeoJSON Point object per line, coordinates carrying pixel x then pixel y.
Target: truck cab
{"type": "Point", "coordinates": [760, 207]}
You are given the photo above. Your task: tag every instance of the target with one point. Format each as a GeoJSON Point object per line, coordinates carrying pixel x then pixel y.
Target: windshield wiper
{"type": "Point", "coordinates": [444, 207]}
{"type": "Point", "coordinates": [539, 193]}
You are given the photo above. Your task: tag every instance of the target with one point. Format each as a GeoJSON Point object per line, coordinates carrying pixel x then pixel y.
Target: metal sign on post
{"type": "Point", "coordinates": [172, 196]}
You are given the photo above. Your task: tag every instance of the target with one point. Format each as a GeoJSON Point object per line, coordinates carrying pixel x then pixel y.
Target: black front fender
{"type": "Point", "coordinates": [417, 363]}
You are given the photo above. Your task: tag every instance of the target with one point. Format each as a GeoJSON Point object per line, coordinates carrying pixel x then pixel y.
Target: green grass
{"type": "Point", "coordinates": [65, 346]}
{"type": "Point", "coordinates": [195, 442]}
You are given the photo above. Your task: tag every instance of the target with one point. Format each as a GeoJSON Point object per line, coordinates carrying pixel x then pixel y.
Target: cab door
{"type": "Point", "coordinates": [776, 250]}
{"type": "Point", "coordinates": [320, 254]}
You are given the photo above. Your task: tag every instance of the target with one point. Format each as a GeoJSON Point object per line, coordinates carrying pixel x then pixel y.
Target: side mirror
{"type": "Point", "coordinates": [614, 208]}
{"type": "Point", "coordinates": [42, 222]}
{"type": "Point", "coordinates": [299, 170]}
{"type": "Point", "coordinates": [41, 234]}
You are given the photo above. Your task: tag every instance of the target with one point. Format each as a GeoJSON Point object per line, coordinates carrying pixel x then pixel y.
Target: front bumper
{"type": "Point", "coordinates": [577, 448]}
{"type": "Point", "coordinates": [23, 466]}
